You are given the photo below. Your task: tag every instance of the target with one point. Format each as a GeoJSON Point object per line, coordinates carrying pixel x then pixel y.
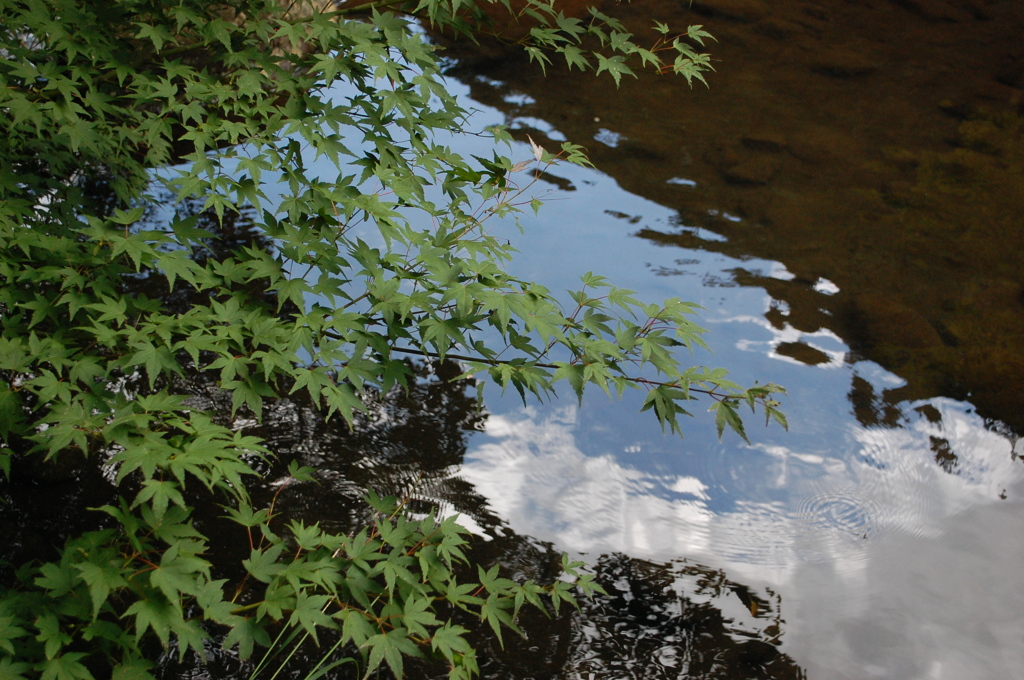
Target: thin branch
{"type": "Point", "coordinates": [498, 362]}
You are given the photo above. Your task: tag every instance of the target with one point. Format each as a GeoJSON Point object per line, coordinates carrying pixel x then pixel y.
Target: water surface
{"type": "Point", "coordinates": [845, 201]}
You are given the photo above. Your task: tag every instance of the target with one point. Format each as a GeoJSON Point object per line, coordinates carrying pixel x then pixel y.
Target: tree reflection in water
{"type": "Point", "coordinates": [659, 620]}
{"type": "Point", "coordinates": [676, 620]}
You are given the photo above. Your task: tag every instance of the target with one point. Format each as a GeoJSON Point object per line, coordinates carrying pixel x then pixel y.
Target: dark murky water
{"type": "Point", "coordinates": [846, 203]}
{"type": "Point", "coordinates": [876, 144]}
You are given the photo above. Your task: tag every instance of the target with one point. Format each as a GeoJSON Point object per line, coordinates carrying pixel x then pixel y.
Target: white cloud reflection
{"type": "Point", "coordinates": [873, 551]}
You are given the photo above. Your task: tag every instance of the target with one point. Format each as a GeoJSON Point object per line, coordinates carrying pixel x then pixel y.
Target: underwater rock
{"type": "Point", "coordinates": [936, 10]}
{"type": "Point", "coordinates": [736, 10]}
{"type": "Point", "coordinates": [749, 169]}
{"type": "Point", "coordinates": [842, 63]}
{"type": "Point", "coordinates": [883, 320]}
{"type": "Point", "coordinates": [770, 142]}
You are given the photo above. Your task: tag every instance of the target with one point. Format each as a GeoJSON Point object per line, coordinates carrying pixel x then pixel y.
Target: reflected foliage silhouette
{"type": "Point", "coordinates": [407, 444]}
{"type": "Point", "coordinates": [657, 621]}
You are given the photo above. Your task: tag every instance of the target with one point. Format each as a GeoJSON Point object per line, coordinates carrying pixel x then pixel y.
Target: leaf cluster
{"type": "Point", "coordinates": [107, 296]}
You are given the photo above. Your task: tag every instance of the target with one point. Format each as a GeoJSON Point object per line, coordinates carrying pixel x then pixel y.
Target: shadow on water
{"type": "Point", "coordinates": [660, 620]}
{"type": "Point", "coordinates": [875, 149]}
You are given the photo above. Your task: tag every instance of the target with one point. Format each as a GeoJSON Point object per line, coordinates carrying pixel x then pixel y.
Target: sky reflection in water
{"type": "Point", "coordinates": [893, 549]}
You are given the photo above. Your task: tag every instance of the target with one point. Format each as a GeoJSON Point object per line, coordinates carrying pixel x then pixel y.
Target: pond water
{"type": "Point", "coordinates": [879, 526]}
{"type": "Point", "coordinates": [846, 202]}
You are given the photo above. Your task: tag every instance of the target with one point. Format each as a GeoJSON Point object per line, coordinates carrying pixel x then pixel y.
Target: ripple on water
{"type": "Point", "coordinates": [775, 535]}
{"type": "Point", "coordinates": [890, 488]}
{"type": "Point", "coordinates": [842, 511]}
{"type": "Point", "coordinates": [770, 506]}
